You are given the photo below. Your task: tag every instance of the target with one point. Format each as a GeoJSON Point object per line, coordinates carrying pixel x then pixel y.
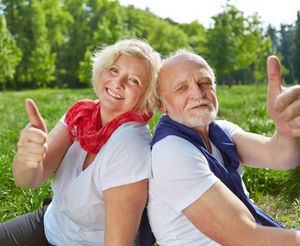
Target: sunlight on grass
{"type": "Point", "coordinates": [243, 105]}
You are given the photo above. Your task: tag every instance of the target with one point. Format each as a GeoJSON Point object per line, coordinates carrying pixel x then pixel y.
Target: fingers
{"type": "Point", "coordinates": [274, 76]}
{"type": "Point", "coordinates": [34, 115]}
{"type": "Point", "coordinates": [32, 147]}
{"type": "Point", "coordinates": [283, 103]}
{"type": "Point", "coordinates": [287, 105]}
{"type": "Point", "coordinates": [288, 97]}
{"type": "Point", "coordinates": [32, 144]}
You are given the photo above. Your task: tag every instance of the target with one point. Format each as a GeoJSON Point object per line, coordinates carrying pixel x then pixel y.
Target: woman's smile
{"type": "Point", "coordinates": [110, 92]}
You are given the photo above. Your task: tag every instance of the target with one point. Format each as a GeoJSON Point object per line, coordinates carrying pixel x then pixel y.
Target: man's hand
{"type": "Point", "coordinates": [32, 143]}
{"type": "Point", "coordinates": [283, 103]}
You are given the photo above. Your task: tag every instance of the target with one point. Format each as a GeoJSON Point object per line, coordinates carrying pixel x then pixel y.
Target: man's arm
{"type": "Point", "coordinates": [221, 216]}
{"type": "Point", "coordinates": [282, 151]}
{"type": "Point", "coordinates": [279, 152]}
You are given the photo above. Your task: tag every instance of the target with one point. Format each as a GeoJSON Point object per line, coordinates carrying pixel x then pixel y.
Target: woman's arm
{"type": "Point", "coordinates": [124, 206]}
{"type": "Point", "coordinates": [39, 155]}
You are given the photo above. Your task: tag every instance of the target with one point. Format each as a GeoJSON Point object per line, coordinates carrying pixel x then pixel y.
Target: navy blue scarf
{"type": "Point", "coordinates": [228, 173]}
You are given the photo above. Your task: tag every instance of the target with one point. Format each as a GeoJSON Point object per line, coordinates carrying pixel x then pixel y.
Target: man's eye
{"type": "Point", "coordinates": [181, 88]}
{"type": "Point", "coordinates": [205, 85]}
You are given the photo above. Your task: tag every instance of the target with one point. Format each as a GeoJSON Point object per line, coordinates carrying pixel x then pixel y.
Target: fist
{"type": "Point", "coordinates": [32, 145]}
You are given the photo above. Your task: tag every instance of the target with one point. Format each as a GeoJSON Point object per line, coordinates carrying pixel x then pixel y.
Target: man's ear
{"type": "Point", "coordinates": [161, 106]}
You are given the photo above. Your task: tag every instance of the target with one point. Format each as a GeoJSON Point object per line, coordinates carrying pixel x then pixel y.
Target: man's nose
{"type": "Point", "coordinates": [195, 92]}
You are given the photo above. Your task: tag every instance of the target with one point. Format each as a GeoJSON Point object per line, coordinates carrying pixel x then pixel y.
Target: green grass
{"type": "Point", "coordinates": [52, 104]}
{"type": "Point", "coordinates": [277, 192]}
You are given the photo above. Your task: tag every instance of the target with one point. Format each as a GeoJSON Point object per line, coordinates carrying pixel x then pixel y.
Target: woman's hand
{"type": "Point", "coordinates": [32, 145]}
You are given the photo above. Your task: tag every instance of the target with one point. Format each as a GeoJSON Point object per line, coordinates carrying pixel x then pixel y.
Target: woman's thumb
{"type": "Point", "coordinates": [36, 119]}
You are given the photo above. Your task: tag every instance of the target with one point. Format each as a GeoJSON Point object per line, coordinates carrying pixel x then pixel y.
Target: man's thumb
{"type": "Point", "coordinates": [36, 119]}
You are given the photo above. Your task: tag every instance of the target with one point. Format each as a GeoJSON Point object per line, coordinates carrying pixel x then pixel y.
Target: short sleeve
{"type": "Point", "coordinates": [228, 127]}
{"type": "Point", "coordinates": [181, 173]}
{"type": "Point", "coordinates": [127, 157]}
{"type": "Point", "coordinates": [62, 119]}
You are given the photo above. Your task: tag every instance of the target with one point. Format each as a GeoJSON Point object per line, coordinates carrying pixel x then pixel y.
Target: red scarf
{"type": "Point", "coordinates": [83, 120]}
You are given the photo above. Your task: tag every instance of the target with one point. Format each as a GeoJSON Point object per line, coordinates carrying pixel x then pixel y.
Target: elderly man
{"type": "Point", "coordinates": [197, 196]}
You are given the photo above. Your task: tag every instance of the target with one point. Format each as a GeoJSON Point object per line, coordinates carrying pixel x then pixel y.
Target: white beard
{"type": "Point", "coordinates": [200, 118]}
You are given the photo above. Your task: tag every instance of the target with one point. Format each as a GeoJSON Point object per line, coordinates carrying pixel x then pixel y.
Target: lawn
{"type": "Point", "coordinates": [276, 192]}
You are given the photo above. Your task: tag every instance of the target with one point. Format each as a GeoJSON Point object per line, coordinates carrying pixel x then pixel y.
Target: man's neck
{"type": "Point", "coordinates": [203, 131]}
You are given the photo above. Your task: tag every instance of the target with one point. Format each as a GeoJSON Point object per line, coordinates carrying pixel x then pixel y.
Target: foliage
{"type": "Point", "coordinates": [287, 33]}
{"type": "Point", "coordinates": [85, 68]}
{"type": "Point", "coordinates": [43, 64]}
{"type": "Point", "coordinates": [10, 54]}
{"type": "Point", "coordinates": [196, 36]}
{"type": "Point", "coordinates": [56, 37]}
{"type": "Point", "coordinates": [295, 50]}
{"type": "Point", "coordinates": [235, 42]}
{"type": "Point", "coordinates": [167, 38]}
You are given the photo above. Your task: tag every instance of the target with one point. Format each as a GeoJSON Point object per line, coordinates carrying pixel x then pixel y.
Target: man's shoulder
{"type": "Point", "coordinates": [173, 141]}
{"type": "Point", "coordinates": [174, 148]}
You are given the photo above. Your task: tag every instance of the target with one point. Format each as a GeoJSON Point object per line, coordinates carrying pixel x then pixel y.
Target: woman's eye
{"type": "Point", "coordinates": [135, 81]}
{"type": "Point", "coordinates": [114, 70]}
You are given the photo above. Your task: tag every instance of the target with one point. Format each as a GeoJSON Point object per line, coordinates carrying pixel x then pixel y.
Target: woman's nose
{"type": "Point", "coordinates": [120, 81]}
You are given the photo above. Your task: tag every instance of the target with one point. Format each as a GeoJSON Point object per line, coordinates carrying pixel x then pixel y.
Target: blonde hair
{"type": "Point", "coordinates": [105, 57]}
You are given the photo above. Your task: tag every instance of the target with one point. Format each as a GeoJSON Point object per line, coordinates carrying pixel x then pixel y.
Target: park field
{"type": "Point", "coordinates": [276, 192]}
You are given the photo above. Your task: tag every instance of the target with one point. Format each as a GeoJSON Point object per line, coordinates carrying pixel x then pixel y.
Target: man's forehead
{"type": "Point", "coordinates": [181, 67]}
{"type": "Point", "coordinates": [184, 72]}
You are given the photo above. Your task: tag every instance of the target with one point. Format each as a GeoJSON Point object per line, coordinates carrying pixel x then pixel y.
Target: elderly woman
{"type": "Point", "coordinates": [99, 154]}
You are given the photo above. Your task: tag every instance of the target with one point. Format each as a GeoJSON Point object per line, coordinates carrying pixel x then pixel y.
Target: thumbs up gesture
{"type": "Point", "coordinates": [32, 144]}
{"type": "Point", "coordinates": [283, 103]}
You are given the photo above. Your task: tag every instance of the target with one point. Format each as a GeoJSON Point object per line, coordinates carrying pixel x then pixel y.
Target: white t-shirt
{"type": "Point", "coordinates": [76, 215]}
{"type": "Point", "coordinates": [181, 174]}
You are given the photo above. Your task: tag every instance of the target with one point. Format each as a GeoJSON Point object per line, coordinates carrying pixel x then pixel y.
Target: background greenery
{"type": "Point", "coordinates": [49, 43]}
{"type": "Point", "coordinates": [276, 192]}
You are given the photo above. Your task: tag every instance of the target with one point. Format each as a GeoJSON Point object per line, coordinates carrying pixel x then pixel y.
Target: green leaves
{"type": "Point", "coordinates": [59, 35]}
{"type": "Point", "coordinates": [10, 54]}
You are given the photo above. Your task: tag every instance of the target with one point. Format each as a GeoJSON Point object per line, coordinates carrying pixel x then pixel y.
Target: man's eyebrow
{"type": "Point", "coordinates": [207, 77]}
{"type": "Point", "coordinates": [178, 83]}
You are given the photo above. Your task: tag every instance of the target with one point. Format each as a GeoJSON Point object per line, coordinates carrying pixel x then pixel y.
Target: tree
{"type": "Point", "coordinates": [95, 22]}
{"type": "Point", "coordinates": [57, 22]}
{"type": "Point", "coordinates": [295, 50]}
{"type": "Point", "coordinates": [42, 67]}
{"type": "Point", "coordinates": [138, 22]}
{"type": "Point", "coordinates": [196, 36]}
{"type": "Point", "coordinates": [28, 25]}
{"type": "Point", "coordinates": [166, 38]}
{"type": "Point", "coordinates": [10, 54]}
{"type": "Point", "coordinates": [234, 42]}
{"type": "Point", "coordinates": [259, 66]}
{"type": "Point", "coordinates": [222, 41]}
{"type": "Point", "coordinates": [272, 33]}
{"type": "Point", "coordinates": [85, 68]}
{"type": "Point", "coordinates": [287, 32]}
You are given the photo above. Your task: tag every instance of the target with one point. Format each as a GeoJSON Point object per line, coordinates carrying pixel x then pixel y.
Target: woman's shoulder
{"type": "Point", "coordinates": [134, 129]}
{"type": "Point", "coordinates": [131, 134]}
